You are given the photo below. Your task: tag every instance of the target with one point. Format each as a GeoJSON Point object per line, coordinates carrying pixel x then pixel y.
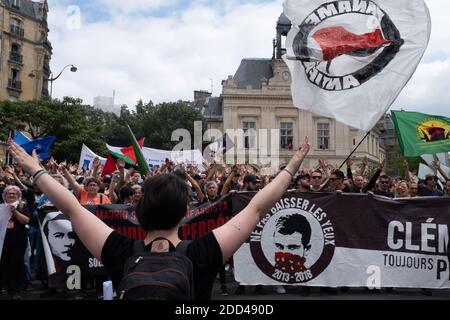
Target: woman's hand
{"type": "Point", "coordinates": [28, 163]}
{"type": "Point", "coordinates": [299, 156]}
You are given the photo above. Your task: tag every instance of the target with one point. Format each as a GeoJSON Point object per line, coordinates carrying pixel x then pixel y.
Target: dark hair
{"type": "Point", "coordinates": [385, 177]}
{"type": "Point", "coordinates": [60, 216]}
{"type": "Point", "coordinates": [126, 192]}
{"type": "Point", "coordinates": [288, 225]}
{"type": "Point", "coordinates": [89, 180]}
{"type": "Point", "coordinates": [339, 174]}
{"type": "Point", "coordinates": [163, 204]}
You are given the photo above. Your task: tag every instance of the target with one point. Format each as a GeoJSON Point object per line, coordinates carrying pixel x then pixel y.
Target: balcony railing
{"type": "Point", "coordinates": [14, 84]}
{"type": "Point", "coordinates": [16, 57]}
{"type": "Point", "coordinates": [17, 31]}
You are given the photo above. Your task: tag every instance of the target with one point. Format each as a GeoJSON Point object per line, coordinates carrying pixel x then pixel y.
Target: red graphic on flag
{"type": "Point", "coordinates": [289, 262]}
{"type": "Point", "coordinates": [336, 41]}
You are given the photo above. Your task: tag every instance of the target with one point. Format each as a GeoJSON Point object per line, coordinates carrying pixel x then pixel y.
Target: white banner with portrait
{"type": "Point", "coordinates": [5, 215]}
{"type": "Point", "coordinates": [348, 240]}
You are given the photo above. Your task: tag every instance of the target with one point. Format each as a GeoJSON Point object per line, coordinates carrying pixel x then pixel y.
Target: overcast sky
{"type": "Point", "coordinates": [163, 50]}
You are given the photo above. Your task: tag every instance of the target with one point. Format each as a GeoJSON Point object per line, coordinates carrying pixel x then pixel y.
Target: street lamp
{"type": "Point", "coordinates": [72, 69]}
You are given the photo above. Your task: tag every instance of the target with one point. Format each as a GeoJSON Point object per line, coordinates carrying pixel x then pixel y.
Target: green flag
{"type": "Point", "coordinates": [140, 160]}
{"type": "Point", "coordinates": [420, 133]}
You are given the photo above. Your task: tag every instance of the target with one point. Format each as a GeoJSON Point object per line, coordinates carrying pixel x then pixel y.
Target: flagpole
{"type": "Point", "coordinates": [8, 156]}
{"type": "Point", "coordinates": [354, 150]}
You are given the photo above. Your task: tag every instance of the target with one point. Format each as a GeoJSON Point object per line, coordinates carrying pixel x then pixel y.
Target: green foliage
{"type": "Point", "coordinates": [74, 123]}
{"type": "Point", "coordinates": [399, 165]}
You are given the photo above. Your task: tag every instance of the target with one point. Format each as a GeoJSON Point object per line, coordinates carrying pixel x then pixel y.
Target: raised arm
{"type": "Point", "coordinates": [226, 185]}
{"type": "Point", "coordinates": [438, 166]}
{"type": "Point", "coordinates": [198, 190]}
{"type": "Point", "coordinates": [375, 177]}
{"type": "Point", "coordinates": [365, 162]}
{"type": "Point", "coordinates": [112, 187]}
{"type": "Point", "coordinates": [74, 185]}
{"type": "Point", "coordinates": [120, 164]}
{"type": "Point", "coordinates": [349, 163]}
{"type": "Point", "coordinates": [236, 231]}
{"type": "Point", "coordinates": [91, 230]}
{"type": "Point", "coordinates": [95, 166]}
{"type": "Point", "coordinates": [15, 174]}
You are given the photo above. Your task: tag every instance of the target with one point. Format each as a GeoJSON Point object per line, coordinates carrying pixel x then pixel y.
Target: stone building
{"type": "Point", "coordinates": [258, 96]}
{"type": "Point", "coordinates": [25, 51]}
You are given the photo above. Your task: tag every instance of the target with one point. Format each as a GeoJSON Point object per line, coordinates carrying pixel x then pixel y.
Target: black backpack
{"type": "Point", "coordinates": [158, 276]}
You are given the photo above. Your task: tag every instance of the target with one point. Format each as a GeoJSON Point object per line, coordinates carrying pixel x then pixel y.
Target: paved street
{"type": "Point", "coordinates": [293, 293]}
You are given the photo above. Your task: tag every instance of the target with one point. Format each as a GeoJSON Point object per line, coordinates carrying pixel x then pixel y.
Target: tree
{"type": "Point", "coordinates": [74, 123]}
{"type": "Point", "coordinates": [154, 122]}
{"type": "Point", "coordinates": [69, 120]}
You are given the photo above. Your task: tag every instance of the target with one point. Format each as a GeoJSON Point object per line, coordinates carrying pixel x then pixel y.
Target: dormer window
{"type": "Point", "coordinates": [16, 4]}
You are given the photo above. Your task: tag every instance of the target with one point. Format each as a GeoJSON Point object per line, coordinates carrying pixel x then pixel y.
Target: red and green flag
{"type": "Point", "coordinates": [140, 159]}
{"type": "Point", "coordinates": [420, 133]}
{"type": "Point", "coordinates": [127, 154]}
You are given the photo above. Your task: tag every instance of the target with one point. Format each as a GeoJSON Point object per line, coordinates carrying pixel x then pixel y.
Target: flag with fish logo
{"type": "Point", "coordinates": [350, 59]}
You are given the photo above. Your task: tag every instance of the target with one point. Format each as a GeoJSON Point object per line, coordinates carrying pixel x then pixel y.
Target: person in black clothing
{"type": "Point", "coordinates": [251, 183]}
{"type": "Point", "coordinates": [12, 268]}
{"type": "Point", "coordinates": [159, 212]}
{"type": "Point", "coordinates": [337, 182]}
{"type": "Point", "coordinates": [429, 187]}
{"type": "Point", "coordinates": [358, 182]}
{"type": "Point", "coordinates": [384, 188]}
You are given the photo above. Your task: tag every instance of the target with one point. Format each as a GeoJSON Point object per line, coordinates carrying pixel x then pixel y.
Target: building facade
{"type": "Point", "coordinates": [25, 50]}
{"type": "Point", "coordinates": [258, 96]}
{"type": "Point", "coordinates": [389, 142]}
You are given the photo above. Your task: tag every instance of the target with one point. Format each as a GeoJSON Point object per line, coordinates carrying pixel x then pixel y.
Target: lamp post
{"type": "Point", "coordinates": [72, 69]}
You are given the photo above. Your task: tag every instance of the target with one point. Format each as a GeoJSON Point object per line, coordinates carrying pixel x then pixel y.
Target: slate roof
{"type": "Point", "coordinates": [27, 7]}
{"type": "Point", "coordinates": [252, 71]}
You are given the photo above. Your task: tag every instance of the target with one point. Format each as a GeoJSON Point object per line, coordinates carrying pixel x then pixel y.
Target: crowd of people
{"type": "Point", "coordinates": [29, 185]}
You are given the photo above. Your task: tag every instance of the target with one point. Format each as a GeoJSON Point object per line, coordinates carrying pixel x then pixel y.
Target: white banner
{"type": "Point", "coordinates": [349, 55]}
{"type": "Point", "coordinates": [347, 240]}
{"type": "Point", "coordinates": [156, 157]}
{"type": "Point", "coordinates": [5, 215]}
{"type": "Point", "coordinates": [87, 156]}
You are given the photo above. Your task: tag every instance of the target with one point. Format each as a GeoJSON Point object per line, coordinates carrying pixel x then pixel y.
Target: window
{"type": "Point", "coordinates": [16, 27]}
{"type": "Point", "coordinates": [16, 4]}
{"type": "Point", "coordinates": [14, 74]}
{"type": "Point", "coordinates": [249, 140]}
{"type": "Point", "coordinates": [323, 136]}
{"type": "Point", "coordinates": [15, 53]}
{"type": "Point", "coordinates": [287, 135]}
{"type": "Point", "coordinates": [16, 23]}
{"type": "Point", "coordinates": [14, 79]}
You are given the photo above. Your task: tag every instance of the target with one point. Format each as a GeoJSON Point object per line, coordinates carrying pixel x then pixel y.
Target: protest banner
{"type": "Point", "coordinates": [335, 240]}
